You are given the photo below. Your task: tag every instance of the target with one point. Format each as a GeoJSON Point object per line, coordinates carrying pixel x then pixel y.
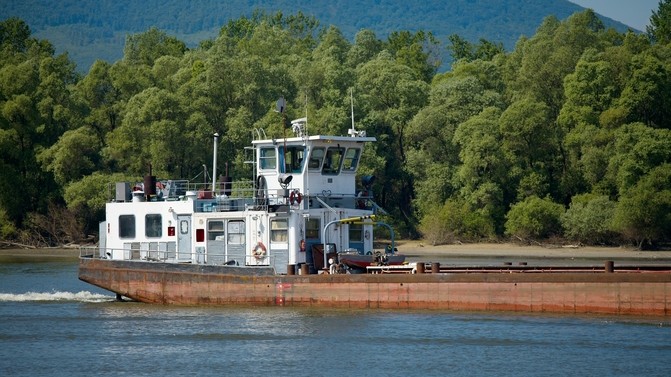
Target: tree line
{"type": "Point", "coordinates": [565, 137]}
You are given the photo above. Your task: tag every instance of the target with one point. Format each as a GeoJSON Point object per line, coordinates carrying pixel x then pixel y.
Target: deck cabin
{"type": "Point", "coordinates": [277, 218]}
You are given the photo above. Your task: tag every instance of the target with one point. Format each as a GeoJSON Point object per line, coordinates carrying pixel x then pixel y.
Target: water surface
{"type": "Point", "coordinates": [54, 325]}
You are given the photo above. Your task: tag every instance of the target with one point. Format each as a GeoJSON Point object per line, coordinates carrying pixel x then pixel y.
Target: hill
{"type": "Point", "coordinates": [97, 29]}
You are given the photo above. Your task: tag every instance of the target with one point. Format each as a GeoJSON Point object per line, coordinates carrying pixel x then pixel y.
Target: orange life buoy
{"type": "Point", "coordinates": [259, 251]}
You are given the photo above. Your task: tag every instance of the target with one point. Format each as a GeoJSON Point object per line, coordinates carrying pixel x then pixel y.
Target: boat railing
{"type": "Point", "coordinates": [170, 256]}
{"type": "Point", "coordinates": [234, 196]}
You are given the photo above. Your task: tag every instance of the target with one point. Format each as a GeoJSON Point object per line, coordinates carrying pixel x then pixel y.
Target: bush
{"type": "Point", "coordinates": [7, 229]}
{"type": "Point", "coordinates": [589, 219]}
{"type": "Point", "coordinates": [455, 220]}
{"type": "Point", "coordinates": [643, 213]}
{"type": "Point", "coordinates": [534, 218]}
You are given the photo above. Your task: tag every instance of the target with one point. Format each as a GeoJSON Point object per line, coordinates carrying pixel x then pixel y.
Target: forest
{"type": "Point", "coordinates": [566, 138]}
{"type": "Point", "coordinates": [91, 30]}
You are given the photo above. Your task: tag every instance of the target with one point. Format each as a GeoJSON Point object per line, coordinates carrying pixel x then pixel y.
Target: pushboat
{"type": "Point", "coordinates": [299, 232]}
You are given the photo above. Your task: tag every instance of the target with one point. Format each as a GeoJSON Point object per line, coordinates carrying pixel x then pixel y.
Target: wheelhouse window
{"type": "Point", "coordinates": [332, 161]}
{"type": "Point", "coordinates": [153, 225]}
{"type": "Point", "coordinates": [312, 226]}
{"type": "Point", "coordinates": [236, 232]}
{"type": "Point", "coordinates": [316, 158]}
{"type": "Point", "coordinates": [351, 160]}
{"type": "Point", "coordinates": [215, 230]}
{"type": "Point", "coordinates": [279, 230]}
{"type": "Point", "coordinates": [268, 158]}
{"type": "Point", "coordinates": [293, 159]}
{"type": "Point", "coordinates": [127, 226]}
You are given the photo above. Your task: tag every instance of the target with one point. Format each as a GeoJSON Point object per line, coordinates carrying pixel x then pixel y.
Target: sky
{"type": "Point", "coordinates": [634, 13]}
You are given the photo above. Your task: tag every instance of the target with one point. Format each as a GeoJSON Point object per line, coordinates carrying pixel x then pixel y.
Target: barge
{"type": "Point", "coordinates": [299, 232]}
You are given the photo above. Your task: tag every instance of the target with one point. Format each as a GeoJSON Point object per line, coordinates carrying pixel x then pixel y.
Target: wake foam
{"type": "Point", "coordinates": [83, 296]}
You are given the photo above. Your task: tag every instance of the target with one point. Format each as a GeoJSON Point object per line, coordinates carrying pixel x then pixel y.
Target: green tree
{"type": "Point", "coordinates": [461, 49]}
{"type": "Point", "coordinates": [643, 213]}
{"type": "Point", "coordinates": [74, 156]}
{"type": "Point", "coordinates": [86, 197]}
{"type": "Point", "coordinates": [391, 94]}
{"type": "Point", "coordinates": [483, 173]}
{"type": "Point", "coordinates": [417, 51]}
{"type": "Point", "coordinates": [101, 100]}
{"type": "Point", "coordinates": [531, 145]}
{"type": "Point", "coordinates": [454, 98]}
{"type": "Point", "coordinates": [145, 48]}
{"type": "Point", "coordinates": [659, 29]}
{"type": "Point", "coordinates": [552, 53]}
{"type": "Point", "coordinates": [638, 149]}
{"type": "Point", "coordinates": [366, 46]}
{"type": "Point", "coordinates": [35, 109]}
{"type": "Point", "coordinates": [150, 133]}
{"type": "Point", "coordinates": [646, 96]}
{"type": "Point", "coordinates": [15, 35]}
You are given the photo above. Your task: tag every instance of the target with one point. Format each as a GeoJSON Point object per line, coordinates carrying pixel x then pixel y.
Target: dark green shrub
{"type": "Point", "coordinates": [455, 220]}
{"type": "Point", "coordinates": [534, 218]}
{"type": "Point", "coordinates": [589, 219]}
{"type": "Point", "coordinates": [643, 213]}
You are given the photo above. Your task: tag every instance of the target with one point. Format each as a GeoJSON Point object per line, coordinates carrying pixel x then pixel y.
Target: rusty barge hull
{"type": "Point", "coordinates": [646, 294]}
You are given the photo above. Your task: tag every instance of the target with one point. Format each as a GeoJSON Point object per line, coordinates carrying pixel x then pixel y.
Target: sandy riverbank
{"type": "Point", "coordinates": [41, 252]}
{"type": "Point", "coordinates": [419, 249]}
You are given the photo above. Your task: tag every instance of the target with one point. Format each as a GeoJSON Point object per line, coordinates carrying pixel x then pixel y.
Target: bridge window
{"type": "Point", "coordinates": [316, 158]}
{"type": "Point", "coordinates": [127, 226]}
{"type": "Point", "coordinates": [351, 159]}
{"type": "Point", "coordinates": [153, 225]}
{"type": "Point", "coordinates": [293, 159]}
{"type": "Point", "coordinates": [267, 158]}
{"type": "Point", "coordinates": [332, 161]}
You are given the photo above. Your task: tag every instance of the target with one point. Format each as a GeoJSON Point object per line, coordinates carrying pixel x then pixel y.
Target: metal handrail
{"type": "Point", "coordinates": [155, 256]}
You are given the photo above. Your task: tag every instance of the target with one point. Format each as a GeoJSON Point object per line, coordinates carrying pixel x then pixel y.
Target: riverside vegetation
{"type": "Point", "coordinates": [566, 136]}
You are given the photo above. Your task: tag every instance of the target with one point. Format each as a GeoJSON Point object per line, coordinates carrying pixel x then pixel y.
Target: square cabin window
{"type": "Point", "coordinates": [153, 224]}
{"type": "Point", "coordinates": [127, 226]}
{"type": "Point", "coordinates": [215, 230]}
{"type": "Point", "coordinates": [268, 158]}
{"type": "Point", "coordinates": [279, 230]}
{"type": "Point", "coordinates": [236, 232]}
{"type": "Point", "coordinates": [355, 232]}
{"type": "Point", "coordinates": [312, 229]}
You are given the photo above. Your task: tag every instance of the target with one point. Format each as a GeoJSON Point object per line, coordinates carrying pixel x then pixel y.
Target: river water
{"type": "Point", "coordinates": [51, 324]}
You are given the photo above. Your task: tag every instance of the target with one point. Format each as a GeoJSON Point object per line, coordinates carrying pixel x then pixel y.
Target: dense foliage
{"type": "Point", "coordinates": [97, 29]}
{"type": "Point", "coordinates": [568, 135]}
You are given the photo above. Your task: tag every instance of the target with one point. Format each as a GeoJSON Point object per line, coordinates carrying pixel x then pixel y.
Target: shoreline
{"type": "Point", "coordinates": [42, 253]}
{"type": "Point", "coordinates": [419, 250]}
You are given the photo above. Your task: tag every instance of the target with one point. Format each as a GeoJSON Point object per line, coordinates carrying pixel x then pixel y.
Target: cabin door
{"type": "Point", "coordinates": [183, 237]}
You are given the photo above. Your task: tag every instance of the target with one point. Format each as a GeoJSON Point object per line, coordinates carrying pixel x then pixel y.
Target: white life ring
{"type": "Point", "coordinates": [259, 251]}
